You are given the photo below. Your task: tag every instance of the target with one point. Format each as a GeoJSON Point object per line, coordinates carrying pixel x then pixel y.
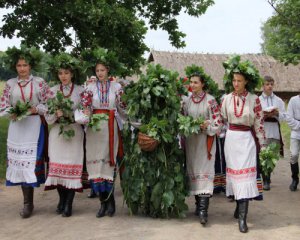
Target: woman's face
{"type": "Point", "coordinates": [239, 83]}
{"type": "Point", "coordinates": [196, 84]}
{"type": "Point", "coordinates": [65, 76]}
{"type": "Point", "coordinates": [23, 69]}
{"type": "Point", "coordinates": [101, 72]}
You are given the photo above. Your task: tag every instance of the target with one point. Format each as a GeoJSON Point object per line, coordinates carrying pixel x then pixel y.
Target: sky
{"type": "Point", "coordinates": [229, 26]}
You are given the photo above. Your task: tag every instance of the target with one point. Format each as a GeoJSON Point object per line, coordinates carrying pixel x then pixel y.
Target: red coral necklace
{"type": "Point", "coordinates": [70, 93]}
{"type": "Point", "coordinates": [198, 98]}
{"type": "Point", "coordinates": [22, 92]}
{"type": "Point", "coordinates": [237, 104]}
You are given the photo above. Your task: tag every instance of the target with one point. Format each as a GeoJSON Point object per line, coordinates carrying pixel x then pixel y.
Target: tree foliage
{"type": "Point", "coordinates": [281, 32]}
{"type": "Point", "coordinates": [117, 25]}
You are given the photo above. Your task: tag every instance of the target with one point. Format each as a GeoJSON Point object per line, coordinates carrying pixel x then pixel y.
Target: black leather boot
{"type": "Point", "coordinates": [103, 207]}
{"type": "Point", "coordinates": [62, 200]}
{"type": "Point", "coordinates": [28, 202]}
{"type": "Point", "coordinates": [92, 194]}
{"type": "Point", "coordinates": [197, 203]}
{"type": "Point", "coordinates": [295, 176]}
{"type": "Point", "coordinates": [203, 206]}
{"type": "Point", "coordinates": [266, 182]}
{"type": "Point", "coordinates": [68, 203]}
{"type": "Point", "coordinates": [236, 211]}
{"type": "Point", "coordinates": [111, 205]}
{"type": "Point", "coordinates": [243, 211]}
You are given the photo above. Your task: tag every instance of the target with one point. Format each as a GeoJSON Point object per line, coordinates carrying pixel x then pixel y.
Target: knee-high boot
{"type": "Point", "coordinates": [62, 200]}
{"type": "Point", "coordinates": [28, 201]}
{"type": "Point", "coordinates": [68, 203]}
{"type": "Point", "coordinates": [266, 182]}
{"type": "Point", "coordinates": [295, 176]}
{"type": "Point", "coordinates": [203, 206]}
{"type": "Point", "coordinates": [243, 211]}
{"type": "Point", "coordinates": [111, 204]}
{"type": "Point", "coordinates": [197, 203]}
{"type": "Point", "coordinates": [236, 211]}
{"type": "Point", "coordinates": [103, 207]}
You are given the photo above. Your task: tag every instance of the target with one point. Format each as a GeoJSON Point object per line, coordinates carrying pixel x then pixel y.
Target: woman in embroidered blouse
{"type": "Point", "coordinates": [201, 147]}
{"type": "Point", "coordinates": [103, 146]}
{"type": "Point", "coordinates": [244, 137]}
{"type": "Point", "coordinates": [65, 155]}
{"type": "Point", "coordinates": [26, 137]}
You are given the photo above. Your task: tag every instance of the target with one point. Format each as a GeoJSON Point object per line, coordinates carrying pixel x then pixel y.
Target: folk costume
{"type": "Point", "coordinates": [244, 137]}
{"type": "Point", "coordinates": [103, 146]}
{"type": "Point", "coordinates": [272, 127]}
{"type": "Point", "coordinates": [27, 138]}
{"type": "Point", "coordinates": [65, 155]}
{"type": "Point", "coordinates": [201, 148]}
{"type": "Point", "coordinates": [293, 111]}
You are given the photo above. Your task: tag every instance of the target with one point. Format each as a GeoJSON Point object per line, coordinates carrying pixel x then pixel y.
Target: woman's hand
{"type": "Point", "coordinates": [205, 125]}
{"type": "Point", "coordinates": [86, 112]}
{"type": "Point", "coordinates": [13, 117]}
{"type": "Point", "coordinates": [59, 113]}
{"type": "Point", "coordinates": [33, 110]}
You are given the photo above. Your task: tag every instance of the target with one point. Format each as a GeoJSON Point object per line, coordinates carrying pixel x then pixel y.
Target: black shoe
{"type": "Point", "coordinates": [62, 200]}
{"type": "Point", "coordinates": [92, 194]}
{"type": "Point", "coordinates": [203, 206]}
{"type": "Point", "coordinates": [103, 207]}
{"type": "Point", "coordinates": [243, 211]}
{"type": "Point", "coordinates": [236, 211]}
{"type": "Point", "coordinates": [295, 176]}
{"type": "Point", "coordinates": [197, 203]}
{"type": "Point", "coordinates": [111, 205]}
{"type": "Point", "coordinates": [69, 202]}
{"type": "Point", "coordinates": [26, 212]}
{"type": "Point", "coordinates": [294, 184]}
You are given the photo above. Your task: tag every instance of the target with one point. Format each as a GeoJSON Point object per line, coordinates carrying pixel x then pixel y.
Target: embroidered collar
{"type": "Point", "coordinates": [243, 95]}
{"type": "Point", "coordinates": [266, 96]}
{"type": "Point", "coordinates": [198, 95]}
{"type": "Point", "coordinates": [25, 80]}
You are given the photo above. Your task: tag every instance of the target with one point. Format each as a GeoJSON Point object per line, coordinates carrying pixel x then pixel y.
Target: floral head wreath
{"type": "Point", "coordinates": [101, 56]}
{"type": "Point", "coordinates": [246, 68]}
{"type": "Point", "coordinates": [33, 56]}
{"type": "Point", "coordinates": [210, 85]}
{"type": "Point", "coordinates": [66, 61]}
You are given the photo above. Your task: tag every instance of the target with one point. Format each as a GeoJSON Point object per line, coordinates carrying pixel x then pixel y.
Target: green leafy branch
{"type": "Point", "coordinates": [95, 121]}
{"type": "Point", "coordinates": [20, 110]}
{"type": "Point", "coordinates": [268, 158]}
{"type": "Point", "coordinates": [188, 125]}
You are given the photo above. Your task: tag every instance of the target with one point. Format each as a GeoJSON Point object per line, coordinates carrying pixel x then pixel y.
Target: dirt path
{"type": "Point", "coordinates": [276, 218]}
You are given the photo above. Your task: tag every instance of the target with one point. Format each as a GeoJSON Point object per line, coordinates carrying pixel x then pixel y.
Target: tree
{"type": "Point", "coordinates": [281, 32]}
{"type": "Point", "coordinates": [114, 24]}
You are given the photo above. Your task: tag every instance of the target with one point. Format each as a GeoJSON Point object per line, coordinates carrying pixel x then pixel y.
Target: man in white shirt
{"type": "Point", "coordinates": [293, 111]}
{"type": "Point", "coordinates": [274, 112]}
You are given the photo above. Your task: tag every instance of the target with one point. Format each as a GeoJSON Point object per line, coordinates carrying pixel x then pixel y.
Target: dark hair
{"type": "Point", "coordinates": [268, 79]}
{"type": "Point", "coordinates": [197, 74]}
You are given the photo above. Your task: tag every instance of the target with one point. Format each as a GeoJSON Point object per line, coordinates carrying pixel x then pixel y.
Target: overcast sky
{"type": "Point", "coordinates": [229, 26]}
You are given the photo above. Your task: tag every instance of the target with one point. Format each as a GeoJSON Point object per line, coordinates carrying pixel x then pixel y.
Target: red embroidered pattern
{"type": "Point", "coordinates": [65, 170]}
{"type": "Point", "coordinates": [241, 171]}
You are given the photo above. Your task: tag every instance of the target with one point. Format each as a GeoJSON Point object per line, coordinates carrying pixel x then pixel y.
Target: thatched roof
{"type": "Point", "coordinates": [287, 78]}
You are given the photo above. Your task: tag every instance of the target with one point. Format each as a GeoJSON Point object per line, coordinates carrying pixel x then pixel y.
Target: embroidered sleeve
{"type": "Point", "coordinates": [4, 101]}
{"type": "Point", "coordinates": [216, 122]}
{"type": "Point", "coordinates": [224, 110]}
{"type": "Point", "coordinates": [44, 94]}
{"type": "Point", "coordinates": [121, 106]}
{"type": "Point", "coordinates": [259, 122]}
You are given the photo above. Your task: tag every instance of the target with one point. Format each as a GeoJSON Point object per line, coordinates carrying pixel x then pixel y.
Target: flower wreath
{"type": "Point", "coordinates": [66, 61]}
{"type": "Point", "coordinates": [210, 86]}
{"type": "Point", "coordinates": [101, 56]}
{"type": "Point", "coordinates": [33, 56]}
{"type": "Point", "coordinates": [245, 68]}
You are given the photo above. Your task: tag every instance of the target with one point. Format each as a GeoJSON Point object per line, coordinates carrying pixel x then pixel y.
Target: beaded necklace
{"type": "Point", "coordinates": [103, 92]}
{"type": "Point", "coordinates": [200, 97]}
{"type": "Point", "coordinates": [236, 103]}
{"type": "Point", "coordinates": [22, 92]}
{"type": "Point", "coordinates": [70, 93]}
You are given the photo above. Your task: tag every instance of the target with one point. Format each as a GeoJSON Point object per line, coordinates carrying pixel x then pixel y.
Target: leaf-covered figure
{"type": "Point", "coordinates": [154, 182]}
{"type": "Point", "coordinates": [268, 158]}
{"type": "Point", "coordinates": [65, 105]}
{"type": "Point", "coordinates": [95, 121]}
{"type": "Point", "coordinates": [20, 110]}
{"type": "Point", "coordinates": [188, 125]}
